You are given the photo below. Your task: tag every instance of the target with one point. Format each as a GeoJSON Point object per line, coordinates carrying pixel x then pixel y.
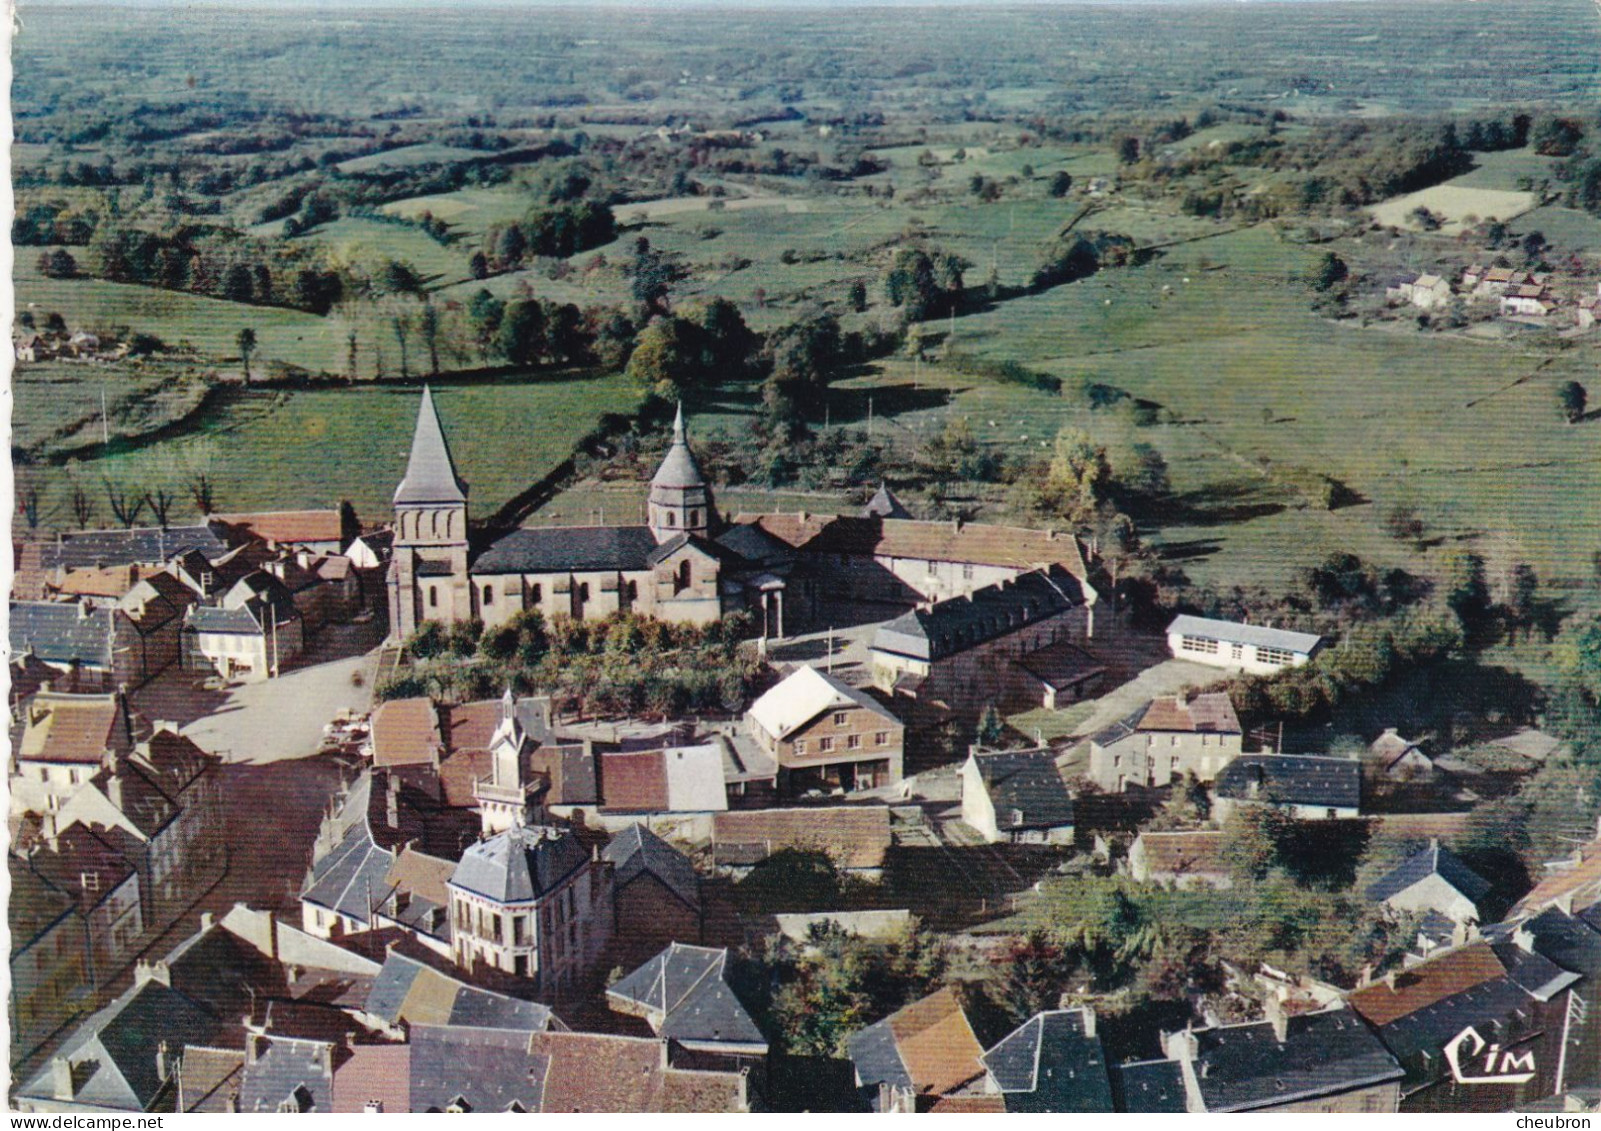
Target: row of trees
{"type": "Point", "coordinates": [552, 231]}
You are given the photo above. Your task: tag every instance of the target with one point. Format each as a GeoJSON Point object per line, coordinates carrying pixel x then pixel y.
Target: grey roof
{"type": "Point", "coordinates": [684, 989]}
{"type": "Point", "coordinates": [1293, 779]}
{"type": "Point", "coordinates": [1432, 861]}
{"type": "Point", "coordinates": [352, 878]}
{"type": "Point", "coordinates": [1572, 942]}
{"type": "Point", "coordinates": [1053, 1062]}
{"type": "Point", "coordinates": [884, 504]}
{"type": "Point", "coordinates": [1026, 789]}
{"type": "Point", "coordinates": [569, 549]}
{"type": "Point", "coordinates": [209, 618]}
{"type": "Point", "coordinates": [61, 632]}
{"type": "Point", "coordinates": [484, 1069]}
{"type": "Point", "coordinates": [145, 545]}
{"type": "Point", "coordinates": [291, 1071]}
{"type": "Point", "coordinates": [755, 545]}
{"type": "Point", "coordinates": [991, 612]}
{"type": "Point", "coordinates": [430, 472]}
{"type": "Point", "coordinates": [1534, 973]}
{"type": "Point", "coordinates": [678, 469]}
{"type": "Point", "coordinates": [877, 1057]}
{"type": "Point", "coordinates": [637, 851]}
{"type": "Point", "coordinates": [1428, 1028]}
{"type": "Point", "coordinates": [470, 1006]}
{"type": "Point", "coordinates": [1240, 1067]}
{"type": "Point", "coordinates": [520, 864]}
{"type": "Point", "coordinates": [1232, 632]}
{"type": "Point", "coordinates": [678, 541]}
{"type": "Point", "coordinates": [1155, 1086]}
{"type": "Point", "coordinates": [113, 1052]}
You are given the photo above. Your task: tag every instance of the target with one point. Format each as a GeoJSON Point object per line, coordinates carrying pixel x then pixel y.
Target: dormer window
{"type": "Point", "coordinates": [90, 881]}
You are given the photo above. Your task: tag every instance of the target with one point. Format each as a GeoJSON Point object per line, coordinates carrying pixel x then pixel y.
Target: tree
{"type": "Point", "coordinates": [1061, 184]}
{"type": "Point", "coordinates": [666, 358]}
{"type": "Point", "coordinates": [58, 264]}
{"type": "Point", "coordinates": [1466, 590]}
{"type": "Point", "coordinates": [1404, 524]}
{"type": "Point", "coordinates": [428, 326]}
{"type": "Point", "coordinates": [126, 504]}
{"type": "Point", "coordinates": [521, 332]}
{"type": "Point", "coordinates": [857, 296]}
{"type": "Point", "coordinates": [991, 727]}
{"type": "Point", "coordinates": [1128, 150]}
{"type": "Point", "coordinates": [1330, 271]}
{"type": "Point", "coordinates": [1572, 397]}
{"type": "Point", "coordinates": [1037, 968]}
{"type": "Point", "coordinates": [478, 265]}
{"type": "Point", "coordinates": [246, 341]}
{"type": "Point", "coordinates": [1253, 839]}
{"type": "Point", "coordinates": [1525, 592]}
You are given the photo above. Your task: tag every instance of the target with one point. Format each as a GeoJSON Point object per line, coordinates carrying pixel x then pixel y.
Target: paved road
{"type": "Point", "coordinates": [283, 718]}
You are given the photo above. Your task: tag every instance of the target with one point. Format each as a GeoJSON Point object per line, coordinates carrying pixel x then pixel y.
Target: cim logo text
{"type": "Point", "coordinates": [1475, 1061]}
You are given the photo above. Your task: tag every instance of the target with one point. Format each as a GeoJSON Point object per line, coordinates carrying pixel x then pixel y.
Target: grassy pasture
{"type": "Point", "coordinates": [313, 448]}
{"type": "Point", "coordinates": [406, 157]}
{"type": "Point", "coordinates": [1454, 204]}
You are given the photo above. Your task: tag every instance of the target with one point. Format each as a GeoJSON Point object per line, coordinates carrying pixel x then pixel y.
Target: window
{"type": "Point", "coordinates": [536, 594]}
{"type": "Point", "coordinates": [825, 745]}
{"type": "Point", "coordinates": [672, 519]}
{"type": "Point", "coordinates": [841, 718]}
{"type": "Point", "coordinates": [694, 518]}
{"type": "Point", "coordinates": [1274, 655]}
{"type": "Point", "coordinates": [489, 595]}
{"type": "Point", "coordinates": [1330, 814]}
{"type": "Point", "coordinates": [1236, 651]}
{"type": "Point", "coordinates": [853, 742]}
{"type": "Point", "coordinates": [800, 747]}
{"type": "Point", "coordinates": [881, 738]}
{"type": "Point", "coordinates": [90, 881]}
{"type": "Point", "coordinates": [967, 573]}
{"type": "Point", "coordinates": [932, 569]}
{"type": "Point", "coordinates": [583, 592]}
{"type": "Point", "coordinates": [1199, 644]}
{"type": "Point", "coordinates": [433, 597]}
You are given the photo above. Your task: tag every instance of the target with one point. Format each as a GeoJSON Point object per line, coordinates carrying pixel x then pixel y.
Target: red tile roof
{"type": "Point", "coordinates": [374, 1072]}
{"type": "Point", "coordinates": [76, 730]}
{"type": "Point", "coordinates": [1579, 881]}
{"type": "Point", "coordinates": [1428, 983]}
{"type": "Point", "coordinates": [1213, 713]}
{"type": "Point", "coordinates": [855, 836]}
{"type": "Point", "coordinates": [936, 1043]}
{"type": "Point", "coordinates": [285, 527]}
{"type": "Point", "coordinates": [635, 782]}
{"type": "Point", "coordinates": [405, 732]}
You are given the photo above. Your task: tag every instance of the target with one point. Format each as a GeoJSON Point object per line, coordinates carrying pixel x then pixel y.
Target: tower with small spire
{"type": "Point", "coordinates": [428, 571]}
{"type": "Point", "coordinates": [507, 798]}
{"type": "Point", "coordinates": [680, 499]}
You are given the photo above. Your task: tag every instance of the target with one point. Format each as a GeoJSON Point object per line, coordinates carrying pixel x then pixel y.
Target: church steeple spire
{"type": "Point", "coordinates": [680, 499]}
{"type": "Point", "coordinates": [430, 473]}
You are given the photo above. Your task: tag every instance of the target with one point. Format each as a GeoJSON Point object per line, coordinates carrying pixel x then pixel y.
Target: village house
{"type": "Point", "coordinates": [1059, 675]}
{"type": "Point", "coordinates": [251, 635]}
{"type": "Point", "coordinates": [410, 990]}
{"type": "Point", "coordinates": [1051, 1064]}
{"type": "Point", "coordinates": [1188, 859]}
{"type": "Point", "coordinates": [917, 1055]}
{"type": "Point", "coordinates": [95, 649]}
{"type": "Point", "coordinates": [66, 740]}
{"type": "Point", "coordinates": [1252, 648]}
{"type": "Point", "coordinates": [1493, 282]}
{"type": "Point", "coordinates": [50, 983]}
{"type": "Point", "coordinates": [1530, 300]}
{"type": "Point", "coordinates": [1507, 994]}
{"type": "Point", "coordinates": [1426, 292]}
{"type": "Point", "coordinates": [958, 652]}
{"type": "Point", "coordinates": [106, 888]}
{"type": "Point", "coordinates": [594, 1072]}
{"type": "Point", "coordinates": [1165, 741]}
{"type": "Point", "coordinates": [684, 996]}
{"type": "Point", "coordinates": [43, 567]}
{"type": "Point", "coordinates": [533, 902]}
{"type": "Point", "coordinates": [1310, 1062]}
{"type": "Point", "coordinates": [321, 532]}
{"type": "Point", "coordinates": [1398, 287]}
{"type": "Point", "coordinates": [656, 897]}
{"type": "Point", "coordinates": [1308, 787]}
{"type": "Point", "coordinates": [1016, 796]}
{"type": "Point", "coordinates": [856, 838]}
{"type": "Point", "coordinates": [1396, 757]}
{"type": "Point", "coordinates": [682, 785]}
{"type": "Point", "coordinates": [825, 734]}
{"type": "Point", "coordinates": [1434, 880]}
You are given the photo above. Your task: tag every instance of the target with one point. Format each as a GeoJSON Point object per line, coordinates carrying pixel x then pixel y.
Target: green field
{"type": "Point", "coordinates": [281, 450]}
{"type": "Point", "coordinates": [406, 156]}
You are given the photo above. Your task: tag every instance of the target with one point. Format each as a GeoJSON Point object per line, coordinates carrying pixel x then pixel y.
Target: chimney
{"type": "Point", "coordinates": [1389, 980]}
{"type": "Point", "coordinates": [1523, 939]}
{"type": "Point", "coordinates": [1277, 1018]}
{"type": "Point", "coordinates": [1434, 844]}
{"type": "Point", "coordinates": [1089, 1022]}
{"type": "Point", "coordinates": [231, 1105]}
{"type": "Point", "coordinates": [163, 1061]}
{"type": "Point", "coordinates": [1181, 1045]}
{"type": "Point", "coordinates": [255, 1045]}
{"type": "Point", "coordinates": [207, 920]}
{"type": "Point", "coordinates": [1365, 978]}
{"type": "Point", "coordinates": [392, 801]}
{"type": "Point", "coordinates": [61, 1077]}
{"type": "Point", "coordinates": [272, 934]}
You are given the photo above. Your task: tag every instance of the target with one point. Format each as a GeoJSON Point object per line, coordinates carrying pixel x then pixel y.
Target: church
{"type": "Point", "coordinates": [683, 566]}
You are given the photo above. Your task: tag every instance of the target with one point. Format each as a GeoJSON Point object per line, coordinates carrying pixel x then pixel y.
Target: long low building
{"type": "Point", "coordinates": [1306, 786]}
{"type": "Point", "coordinates": [1253, 648]}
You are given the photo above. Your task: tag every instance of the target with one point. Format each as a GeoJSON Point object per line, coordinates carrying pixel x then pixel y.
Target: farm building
{"type": "Point", "coordinates": [1180, 859]}
{"type": "Point", "coordinates": [825, 734]}
{"type": "Point", "coordinates": [1398, 757]}
{"type": "Point", "coordinates": [856, 838]}
{"type": "Point", "coordinates": [1166, 739]}
{"type": "Point", "coordinates": [1308, 787]}
{"type": "Point", "coordinates": [1530, 300]}
{"type": "Point", "coordinates": [1436, 880]}
{"type": "Point", "coordinates": [1017, 796]}
{"type": "Point", "coordinates": [1257, 649]}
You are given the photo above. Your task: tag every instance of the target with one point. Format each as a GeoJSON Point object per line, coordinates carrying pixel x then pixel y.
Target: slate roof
{"type": "Point", "coordinates": [1241, 1067]}
{"type": "Point", "coordinates": [1053, 1062]}
{"type": "Point", "coordinates": [208, 1078]}
{"type": "Point", "coordinates": [430, 472]}
{"type": "Point", "coordinates": [569, 549]}
{"type": "Point", "coordinates": [485, 1070]}
{"type": "Point", "coordinates": [79, 855]}
{"type": "Point", "coordinates": [62, 632]}
{"type": "Point", "coordinates": [1574, 943]}
{"type": "Point", "coordinates": [1233, 632]}
{"type": "Point", "coordinates": [1293, 779]}
{"type": "Point", "coordinates": [36, 907]}
{"type": "Point", "coordinates": [678, 469]}
{"type": "Point", "coordinates": [707, 546]}
{"type": "Point", "coordinates": [1026, 789]}
{"type": "Point", "coordinates": [233, 622]}
{"type": "Point", "coordinates": [756, 546]}
{"type": "Point", "coordinates": [520, 864]}
{"type": "Point", "coordinates": [1155, 1086]}
{"type": "Point", "coordinates": [803, 695]}
{"type": "Point", "coordinates": [146, 545]}
{"type": "Point", "coordinates": [884, 504]}
{"type": "Point", "coordinates": [688, 999]}
{"type": "Point", "coordinates": [288, 1070]}
{"type": "Point", "coordinates": [1432, 861]}
{"type": "Point", "coordinates": [409, 990]}
{"type": "Point", "coordinates": [1060, 665]}
{"type": "Point", "coordinates": [352, 878]}
{"type": "Point", "coordinates": [637, 851]}
{"type": "Point", "coordinates": [989, 613]}
{"type": "Point", "coordinates": [927, 1047]}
